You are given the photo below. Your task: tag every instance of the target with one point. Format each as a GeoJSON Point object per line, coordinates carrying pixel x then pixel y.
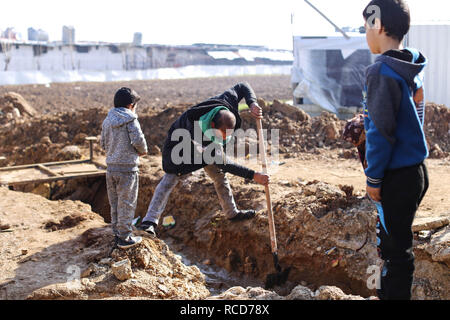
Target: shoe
{"type": "Point", "coordinates": [114, 246]}
{"type": "Point", "coordinates": [243, 215]}
{"type": "Point", "coordinates": [148, 227]}
{"type": "Point", "coordinates": [129, 242]}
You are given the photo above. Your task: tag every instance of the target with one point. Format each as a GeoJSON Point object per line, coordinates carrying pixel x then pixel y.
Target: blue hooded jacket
{"type": "Point", "coordinates": [394, 113]}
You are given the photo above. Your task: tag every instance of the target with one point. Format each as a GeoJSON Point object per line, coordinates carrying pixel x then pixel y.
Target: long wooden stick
{"type": "Point", "coordinates": [262, 151]}
{"type": "Point", "coordinates": [47, 170]}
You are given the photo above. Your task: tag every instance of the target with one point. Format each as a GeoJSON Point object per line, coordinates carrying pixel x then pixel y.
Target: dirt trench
{"type": "Point", "coordinates": [324, 232]}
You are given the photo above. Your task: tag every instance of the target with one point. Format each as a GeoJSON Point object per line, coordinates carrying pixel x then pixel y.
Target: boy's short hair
{"type": "Point", "coordinates": [394, 16]}
{"type": "Point", "coordinates": [124, 97]}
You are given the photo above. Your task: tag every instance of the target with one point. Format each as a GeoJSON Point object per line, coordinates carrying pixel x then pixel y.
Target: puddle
{"type": "Point", "coordinates": [217, 279]}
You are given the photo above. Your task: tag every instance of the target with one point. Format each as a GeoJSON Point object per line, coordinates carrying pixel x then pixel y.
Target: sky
{"type": "Point", "coordinates": [184, 22]}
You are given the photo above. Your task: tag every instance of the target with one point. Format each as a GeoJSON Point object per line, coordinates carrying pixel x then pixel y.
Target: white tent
{"type": "Point", "coordinates": [328, 72]}
{"type": "Point", "coordinates": [328, 69]}
{"type": "Point", "coordinates": [433, 40]}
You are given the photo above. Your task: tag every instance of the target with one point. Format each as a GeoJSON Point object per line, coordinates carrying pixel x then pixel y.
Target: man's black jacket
{"type": "Point", "coordinates": [229, 99]}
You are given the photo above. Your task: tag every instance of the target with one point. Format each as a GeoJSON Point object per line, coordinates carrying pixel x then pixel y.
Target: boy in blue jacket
{"type": "Point", "coordinates": [396, 148]}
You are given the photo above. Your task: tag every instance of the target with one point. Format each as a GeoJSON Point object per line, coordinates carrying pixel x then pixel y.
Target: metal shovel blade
{"type": "Point", "coordinates": [278, 278]}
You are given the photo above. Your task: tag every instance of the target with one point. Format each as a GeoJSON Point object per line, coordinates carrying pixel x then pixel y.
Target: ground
{"type": "Point", "coordinates": [328, 167]}
{"type": "Point", "coordinates": [155, 94]}
{"type": "Point", "coordinates": [325, 226]}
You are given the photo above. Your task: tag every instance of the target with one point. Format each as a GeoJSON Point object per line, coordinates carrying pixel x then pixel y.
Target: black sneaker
{"type": "Point", "coordinates": [148, 227]}
{"type": "Point", "coordinates": [129, 242]}
{"type": "Point", "coordinates": [243, 215]}
{"type": "Point", "coordinates": [114, 246]}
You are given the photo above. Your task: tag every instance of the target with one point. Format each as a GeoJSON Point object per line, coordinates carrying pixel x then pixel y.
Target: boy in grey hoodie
{"type": "Point", "coordinates": [124, 142]}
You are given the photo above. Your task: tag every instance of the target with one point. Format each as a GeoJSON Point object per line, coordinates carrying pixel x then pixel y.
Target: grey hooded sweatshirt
{"type": "Point", "coordinates": [123, 140]}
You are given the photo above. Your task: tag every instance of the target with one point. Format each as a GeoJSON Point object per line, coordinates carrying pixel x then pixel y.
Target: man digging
{"type": "Point", "coordinates": [195, 141]}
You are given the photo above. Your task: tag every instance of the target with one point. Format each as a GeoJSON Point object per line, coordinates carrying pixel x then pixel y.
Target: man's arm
{"type": "Point", "coordinates": [137, 137]}
{"type": "Point", "coordinates": [383, 103]}
{"type": "Point", "coordinates": [241, 171]}
{"type": "Point", "coordinates": [240, 91]}
{"type": "Point", "coordinates": [237, 170]}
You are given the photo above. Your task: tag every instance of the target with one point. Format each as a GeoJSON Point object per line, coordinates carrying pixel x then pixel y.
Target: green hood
{"type": "Point", "coordinates": [205, 124]}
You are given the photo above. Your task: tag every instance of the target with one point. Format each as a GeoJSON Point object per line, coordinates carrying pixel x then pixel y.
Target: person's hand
{"type": "Point", "coordinates": [256, 111]}
{"type": "Point", "coordinates": [374, 193]}
{"type": "Point", "coordinates": [261, 178]}
{"type": "Point", "coordinates": [142, 154]}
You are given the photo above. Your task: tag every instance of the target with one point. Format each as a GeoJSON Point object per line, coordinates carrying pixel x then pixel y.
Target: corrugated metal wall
{"type": "Point", "coordinates": [434, 42]}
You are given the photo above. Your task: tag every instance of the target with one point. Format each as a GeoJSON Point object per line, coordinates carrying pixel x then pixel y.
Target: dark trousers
{"type": "Point", "coordinates": [402, 191]}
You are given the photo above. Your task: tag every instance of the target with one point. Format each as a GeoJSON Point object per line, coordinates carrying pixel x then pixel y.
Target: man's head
{"type": "Point", "coordinates": [386, 20]}
{"type": "Point", "coordinates": [126, 98]}
{"type": "Point", "coordinates": [225, 121]}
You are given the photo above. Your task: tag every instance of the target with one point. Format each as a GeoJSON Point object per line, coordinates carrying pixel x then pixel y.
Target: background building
{"type": "Point", "coordinates": [68, 35]}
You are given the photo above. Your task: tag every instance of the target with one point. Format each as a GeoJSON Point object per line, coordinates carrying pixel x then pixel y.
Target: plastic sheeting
{"type": "Point", "coordinates": [44, 77]}
{"type": "Point", "coordinates": [229, 55]}
{"type": "Point", "coordinates": [251, 55]}
{"type": "Point", "coordinates": [329, 71]}
{"type": "Point", "coordinates": [433, 41]}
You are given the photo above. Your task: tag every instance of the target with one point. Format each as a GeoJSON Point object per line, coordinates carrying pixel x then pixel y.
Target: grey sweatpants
{"type": "Point", "coordinates": [122, 190]}
{"type": "Point", "coordinates": [169, 181]}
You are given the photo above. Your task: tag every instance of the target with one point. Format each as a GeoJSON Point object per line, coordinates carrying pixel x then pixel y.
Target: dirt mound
{"type": "Point", "coordinates": [44, 138]}
{"type": "Point", "coordinates": [154, 273]}
{"type": "Point", "coordinates": [316, 225]}
{"type": "Point", "coordinates": [13, 107]}
{"type": "Point", "coordinates": [79, 263]}
{"type": "Point", "coordinates": [298, 293]}
{"type": "Point", "coordinates": [73, 261]}
{"type": "Point", "coordinates": [60, 136]}
{"type": "Point", "coordinates": [437, 126]}
{"type": "Point", "coordinates": [66, 223]}
{"type": "Point", "coordinates": [319, 227]}
{"type": "Point", "coordinates": [298, 132]}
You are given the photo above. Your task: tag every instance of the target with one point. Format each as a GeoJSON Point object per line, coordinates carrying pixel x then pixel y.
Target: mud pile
{"type": "Point", "coordinates": [298, 293]}
{"type": "Point", "coordinates": [62, 250]}
{"type": "Point", "coordinates": [319, 227]}
{"type": "Point", "coordinates": [325, 233]}
{"type": "Point", "coordinates": [147, 271]}
{"type": "Point", "coordinates": [76, 260]}
{"type": "Point", "coordinates": [14, 108]}
{"type": "Point", "coordinates": [43, 138]}
{"type": "Point", "coordinates": [437, 126]}
{"type": "Point", "coordinates": [298, 132]}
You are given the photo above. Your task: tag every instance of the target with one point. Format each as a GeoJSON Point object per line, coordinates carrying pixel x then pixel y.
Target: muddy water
{"type": "Point", "coordinates": [217, 279]}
